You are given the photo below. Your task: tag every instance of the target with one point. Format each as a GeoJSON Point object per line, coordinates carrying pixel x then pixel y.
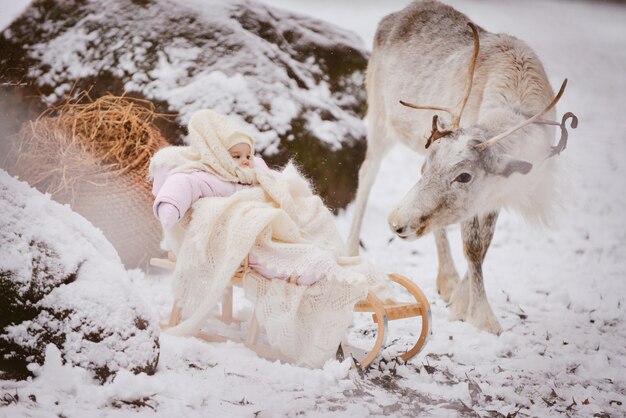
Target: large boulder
{"type": "Point", "coordinates": [62, 283]}
{"type": "Point", "coordinates": [296, 83]}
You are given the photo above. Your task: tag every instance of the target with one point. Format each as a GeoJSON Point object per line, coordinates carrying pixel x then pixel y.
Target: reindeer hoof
{"type": "Point", "coordinates": [457, 314]}
{"type": "Point", "coordinates": [493, 328]}
{"type": "Point", "coordinates": [446, 286]}
{"type": "Point", "coordinates": [459, 302]}
{"type": "Point", "coordinates": [486, 322]}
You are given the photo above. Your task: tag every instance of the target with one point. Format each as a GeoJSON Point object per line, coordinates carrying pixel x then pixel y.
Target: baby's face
{"type": "Point", "coordinates": [242, 154]}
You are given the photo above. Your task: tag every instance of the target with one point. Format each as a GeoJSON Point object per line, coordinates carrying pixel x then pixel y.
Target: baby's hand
{"type": "Point", "coordinates": [168, 215]}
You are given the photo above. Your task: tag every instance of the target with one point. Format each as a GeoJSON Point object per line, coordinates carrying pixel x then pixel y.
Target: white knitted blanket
{"type": "Point", "coordinates": [306, 323]}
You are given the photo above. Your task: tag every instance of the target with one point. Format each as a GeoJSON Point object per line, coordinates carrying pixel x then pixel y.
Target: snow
{"type": "Point", "coordinates": [55, 241]}
{"type": "Point", "coordinates": [559, 292]}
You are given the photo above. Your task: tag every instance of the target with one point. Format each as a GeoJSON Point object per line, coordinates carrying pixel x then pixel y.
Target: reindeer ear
{"type": "Point", "coordinates": [504, 165]}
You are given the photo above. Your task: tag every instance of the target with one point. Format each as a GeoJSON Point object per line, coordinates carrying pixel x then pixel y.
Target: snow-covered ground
{"type": "Point", "coordinates": [560, 293]}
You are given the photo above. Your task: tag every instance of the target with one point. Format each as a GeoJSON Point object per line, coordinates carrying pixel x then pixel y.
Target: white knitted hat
{"type": "Point", "coordinates": [239, 138]}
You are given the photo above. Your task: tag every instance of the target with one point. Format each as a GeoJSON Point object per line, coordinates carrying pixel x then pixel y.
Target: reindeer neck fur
{"type": "Point", "coordinates": [507, 99]}
{"type": "Point", "coordinates": [532, 195]}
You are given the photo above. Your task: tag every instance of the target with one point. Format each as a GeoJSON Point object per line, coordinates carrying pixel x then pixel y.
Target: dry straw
{"type": "Point", "coordinates": [87, 140]}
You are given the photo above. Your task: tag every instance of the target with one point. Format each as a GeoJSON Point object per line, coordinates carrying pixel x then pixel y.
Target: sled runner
{"type": "Point", "coordinates": [382, 313]}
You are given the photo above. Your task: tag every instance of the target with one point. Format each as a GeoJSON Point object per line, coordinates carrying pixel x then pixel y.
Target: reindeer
{"type": "Point", "coordinates": [490, 150]}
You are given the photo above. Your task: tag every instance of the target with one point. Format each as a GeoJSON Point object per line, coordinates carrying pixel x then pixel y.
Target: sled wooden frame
{"type": "Point", "coordinates": [382, 313]}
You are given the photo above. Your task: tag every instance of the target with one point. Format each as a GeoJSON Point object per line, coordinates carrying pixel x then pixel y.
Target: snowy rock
{"type": "Point", "coordinates": [62, 283]}
{"type": "Point", "coordinates": [294, 82]}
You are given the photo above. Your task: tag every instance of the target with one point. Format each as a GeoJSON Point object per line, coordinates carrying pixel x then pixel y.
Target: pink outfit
{"type": "Point", "coordinates": [175, 193]}
{"type": "Point", "coordinates": [181, 190]}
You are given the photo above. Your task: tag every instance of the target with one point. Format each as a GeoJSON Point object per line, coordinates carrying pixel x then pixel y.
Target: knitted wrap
{"type": "Point", "coordinates": [211, 135]}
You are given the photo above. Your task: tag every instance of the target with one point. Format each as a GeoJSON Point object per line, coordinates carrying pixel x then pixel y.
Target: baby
{"type": "Point", "coordinates": [176, 192]}
{"type": "Point", "coordinates": [180, 182]}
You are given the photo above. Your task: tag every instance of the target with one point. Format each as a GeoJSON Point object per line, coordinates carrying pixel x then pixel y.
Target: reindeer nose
{"type": "Point", "coordinates": [398, 229]}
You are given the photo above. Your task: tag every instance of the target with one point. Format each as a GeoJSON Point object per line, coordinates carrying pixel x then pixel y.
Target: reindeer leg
{"type": "Point", "coordinates": [487, 229]}
{"type": "Point", "coordinates": [477, 237]}
{"type": "Point", "coordinates": [447, 276]}
{"type": "Point", "coordinates": [367, 174]}
{"type": "Point", "coordinates": [459, 300]}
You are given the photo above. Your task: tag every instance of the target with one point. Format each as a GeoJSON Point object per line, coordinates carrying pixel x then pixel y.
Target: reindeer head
{"type": "Point", "coordinates": [457, 178]}
{"type": "Point", "coordinates": [463, 170]}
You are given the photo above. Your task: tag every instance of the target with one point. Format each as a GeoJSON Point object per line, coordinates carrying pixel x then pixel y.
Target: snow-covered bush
{"type": "Point", "coordinates": [62, 282]}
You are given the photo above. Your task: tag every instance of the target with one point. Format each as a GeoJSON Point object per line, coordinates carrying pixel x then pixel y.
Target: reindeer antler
{"type": "Point", "coordinates": [435, 133]}
{"type": "Point", "coordinates": [457, 111]}
{"type": "Point", "coordinates": [536, 119]}
{"type": "Point", "coordinates": [558, 148]}
{"type": "Point", "coordinates": [456, 120]}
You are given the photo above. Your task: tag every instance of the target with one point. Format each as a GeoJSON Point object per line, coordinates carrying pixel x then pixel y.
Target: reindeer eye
{"type": "Point", "coordinates": [463, 178]}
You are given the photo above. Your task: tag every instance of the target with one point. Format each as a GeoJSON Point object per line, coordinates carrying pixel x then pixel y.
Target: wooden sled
{"type": "Point", "coordinates": [382, 313]}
